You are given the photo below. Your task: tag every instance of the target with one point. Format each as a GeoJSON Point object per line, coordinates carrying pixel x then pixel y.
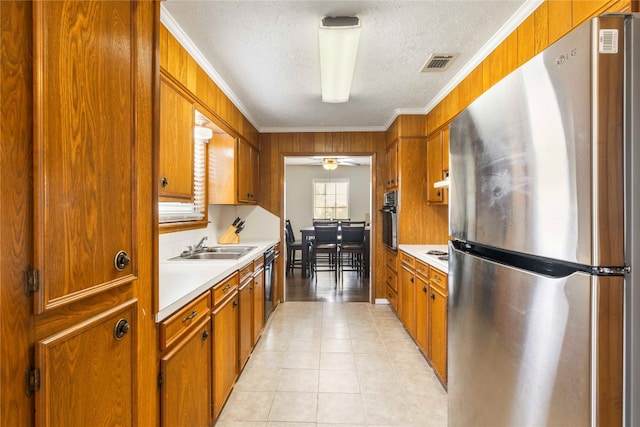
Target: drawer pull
{"type": "Point", "coordinates": [226, 288]}
{"type": "Point", "coordinates": [191, 316]}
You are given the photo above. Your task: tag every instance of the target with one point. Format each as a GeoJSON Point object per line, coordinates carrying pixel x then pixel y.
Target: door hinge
{"type": "Point", "coordinates": [31, 281]}
{"type": "Point", "coordinates": [160, 379]}
{"type": "Point", "coordinates": [32, 381]}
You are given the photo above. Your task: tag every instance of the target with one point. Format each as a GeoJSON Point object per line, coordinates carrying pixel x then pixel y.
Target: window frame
{"type": "Point", "coordinates": [345, 181]}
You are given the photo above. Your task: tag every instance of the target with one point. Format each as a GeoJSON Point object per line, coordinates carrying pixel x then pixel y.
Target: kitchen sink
{"type": "Point", "coordinates": [216, 252]}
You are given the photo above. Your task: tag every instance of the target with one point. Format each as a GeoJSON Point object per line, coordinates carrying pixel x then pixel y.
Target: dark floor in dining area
{"type": "Point", "coordinates": [352, 287]}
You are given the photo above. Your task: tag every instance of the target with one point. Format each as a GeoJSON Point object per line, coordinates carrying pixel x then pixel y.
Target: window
{"type": "Point", "coordinates": [331, 199]}
{"type": "Point", "coordinates": [179, 212]}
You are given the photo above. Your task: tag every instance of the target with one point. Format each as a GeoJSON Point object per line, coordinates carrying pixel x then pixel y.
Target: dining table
{"type": "Point", "coordinates": [307, 235]}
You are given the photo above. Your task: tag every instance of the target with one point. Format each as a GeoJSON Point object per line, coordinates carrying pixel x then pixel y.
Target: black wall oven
{"type": "Point", "coordinates": [390, 220]}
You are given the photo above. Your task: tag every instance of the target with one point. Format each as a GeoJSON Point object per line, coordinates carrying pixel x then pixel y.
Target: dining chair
{"type": "Point", "coordinates": [321, 221]}
{"type": "Point", "coordinates": [353, 223]}
{"type": "Point", "coordinates": [293, 247]}
{"type": "Point", "coordinates": [324, 250]}
{"type": "Point", "coordinates": [352, 249]}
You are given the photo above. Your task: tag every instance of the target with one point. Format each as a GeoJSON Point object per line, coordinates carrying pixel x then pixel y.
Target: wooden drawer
{"type": "Point", "coordinates": [422, 269]}
{"type": "Point", "coordinates": [407, 260]}
{"type": "Point", "coordinates": [438, 278]}
{"type": "Point", "coordinates": [258, 264]}
{"type": "Point", "coordinates": [392, 279]}
{"type": "Point", "coordinates": [176, 326]}
{"type": "Point", "coordinates": [225, 288]}
{"type": "Point", "coordinates": [245, 272]}
{"type": "Point", "coordinates": [392, 297]}
{"type": "Point", "coordinates": [392, 260]}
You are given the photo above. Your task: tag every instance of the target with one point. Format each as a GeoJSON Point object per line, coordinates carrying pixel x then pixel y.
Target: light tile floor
{"type": "Point", "coordinates": [331, 363]}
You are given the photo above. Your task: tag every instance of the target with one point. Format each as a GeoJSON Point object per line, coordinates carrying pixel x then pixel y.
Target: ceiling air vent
{"type": "Point", "coordinates": [437, 62]}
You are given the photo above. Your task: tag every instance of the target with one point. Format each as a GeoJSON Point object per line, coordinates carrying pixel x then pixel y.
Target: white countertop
{"type": "Point", "coordinates": [181, 281]}
{"type": "Point", "coordinates": [420, 252]}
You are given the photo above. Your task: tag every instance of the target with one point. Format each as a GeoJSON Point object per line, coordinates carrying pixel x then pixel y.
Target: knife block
{"type": "Point", "coordinates": [229, 236]}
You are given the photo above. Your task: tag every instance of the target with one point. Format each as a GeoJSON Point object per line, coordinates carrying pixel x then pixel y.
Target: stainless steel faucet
{"type": "Point", "coordinates": [200, 244]}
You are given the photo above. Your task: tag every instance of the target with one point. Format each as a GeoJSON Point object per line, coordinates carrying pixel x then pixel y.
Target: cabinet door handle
{"type": "Point", "coordinates": [164, 182]}
{"type": "Point", "coordinates": [121, 329]}
{"type": "Point", "coordinates": [411, 280]}
{"type": "Point", "coordinates": [121, 260]}
{"type": "Point", "coordinates": [235, 303]}
{"type": "Point", "coordinates": [433, 296]}
{"type": "Point", "coordinates": [424, 289]}
{"type": "Point", "coordinates": [191, 316]}
{"type": "Point", "coordinates": [438, 193]}
{"type": "Point", "coordinates": [205, 335]}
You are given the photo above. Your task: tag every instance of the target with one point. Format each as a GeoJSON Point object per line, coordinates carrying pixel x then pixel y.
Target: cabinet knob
{"type": "Point", "coordinates": [411, 280]}
{"type": "Point", "coordinates": [164, 182]}
{"type": "Point", "coordinates": [424, 289]}
{"type": "Point", "coordinates": [433, 296]}
{"type": "Point", "coordinates": [121, 329]}
{"type": "Point", "coordinates": [121, 260]}
{"type": "Point", "coordinates": [205, 335]}
{"type": "Point", "coordinates": [438, 193]}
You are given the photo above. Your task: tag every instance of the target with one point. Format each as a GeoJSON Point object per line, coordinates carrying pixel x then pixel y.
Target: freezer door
{"type": "Point", "coordinates": [531, 172]}
{"type": "Point", "coordinates": [519, 346]}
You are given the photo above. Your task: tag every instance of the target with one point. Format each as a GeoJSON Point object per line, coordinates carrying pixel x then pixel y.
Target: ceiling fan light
{"type": "Point", "coordinates": [338, 47]}
{"type": "Point", "coordinates": [330, 163]}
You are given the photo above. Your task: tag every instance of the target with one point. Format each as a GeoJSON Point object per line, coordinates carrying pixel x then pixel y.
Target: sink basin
{"type": "Point", "coordinates": [229, 249]}
{"type": "Point", "coordinates": [217, 252]}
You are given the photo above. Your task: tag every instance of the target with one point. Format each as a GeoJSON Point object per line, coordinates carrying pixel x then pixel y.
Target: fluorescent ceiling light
{"type": "Point", "coordinates": [338, 47]}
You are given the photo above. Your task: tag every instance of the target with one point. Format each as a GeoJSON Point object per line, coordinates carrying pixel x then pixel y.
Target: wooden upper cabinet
{"type": "Point", "coordinates": [248, 164]}
{"type": "Point", "coordinates": [85, 142]}
{"type": "Point", "coordinates": [434, 167]}
{"type": "Point", "coordinates": [392, 166]}
{"type": "Point", "coordinates": [176, 144]}
{"type": "Point", "coordinates": [233, 171]}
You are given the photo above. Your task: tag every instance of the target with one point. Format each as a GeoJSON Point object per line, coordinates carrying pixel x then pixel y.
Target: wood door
{"type": "Point", "coordinates": [225, 351]}
{"type": "Point", "coordinates": [258, 305]}
{"type": "Point", "coordinates": [186, 387]}
{"type": "Point", "coordinates": [245, 319]}
{"type": "Point", "coordinates": [422, 314]}
{"type": "Point", "coordinates": [438, 331]}
{"type": "Point", "coordinates": [176, 144]}
{"type": "Point", "coordinates": [408, 299]}
{"type": "Point", "coordinates": [434, 167]}
{"type": "Point", "coordinates": [84, 145]}
{"type": "Point", "coordinates": [92, 362]}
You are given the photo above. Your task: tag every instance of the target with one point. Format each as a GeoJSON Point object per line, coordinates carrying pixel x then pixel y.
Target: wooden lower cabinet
{"type": "Point", "coordinates": [422, 308]}
{"type": "Point", "coordinates": [245, 319]}
{"type": "Point", "coordinates": [90, 363]}
{"type": "Point", "coordinates": [438, 323]}
{"type": "Point", "coordinates": [258, 305]}
{"type": "Point", "coordinates": [225, 342]}
{"type": "Point", "coordinates": [186, 379]}
{"type": "Point", "coordinates": [408, 299]}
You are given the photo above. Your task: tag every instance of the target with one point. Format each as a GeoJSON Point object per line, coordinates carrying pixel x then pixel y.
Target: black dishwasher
{"type": "Point", "coordinates": [269, 276]}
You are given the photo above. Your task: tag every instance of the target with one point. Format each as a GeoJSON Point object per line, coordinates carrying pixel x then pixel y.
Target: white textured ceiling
{"type": "Point", "coordinates": [264, 55]}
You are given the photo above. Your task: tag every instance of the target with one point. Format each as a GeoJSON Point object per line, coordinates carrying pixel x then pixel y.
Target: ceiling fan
{"type": "Point", "coordinates": [331, 163]}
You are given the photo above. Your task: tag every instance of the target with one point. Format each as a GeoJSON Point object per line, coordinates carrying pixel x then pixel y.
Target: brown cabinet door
{"type": "Point", "coordinates": [245, 332]}
{"type": "Point", "coordinates": [225, 351]}
{"type": "Point", "coordinates": [258, 305]}
{"type": "Point", "coordinates": [88, 372]}
{"type": "Point", "coordinates": [438, 331]}
{"type": "Point", "coordinates": [85, 141]}
{"type": "Point", "coordinates": [247, 172]}
{"type": "Point", "coordinates": [186, 388]}
{"type": "Point", "coordinates": [422, 314]}
{"type": "Point", "coordinates": [176, 144]}
{"type": "Point", "coordinates": [434, 167]}
{"type": "Point", "coordinates": [408, 299]}
{"type": "Point", "coordinates": [392, 166]}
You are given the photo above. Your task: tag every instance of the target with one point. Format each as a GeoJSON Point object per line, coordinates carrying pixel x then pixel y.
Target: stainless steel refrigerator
{"type": "Point", "coordinates": [544, 294]}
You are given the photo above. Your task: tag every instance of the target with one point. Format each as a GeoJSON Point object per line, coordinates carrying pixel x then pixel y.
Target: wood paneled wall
{"type": "Point", "coordinates": [275, 146]}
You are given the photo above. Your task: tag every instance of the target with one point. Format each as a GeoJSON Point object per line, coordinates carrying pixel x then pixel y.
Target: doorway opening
{"type": "Point", "coordinates": [331, 187]}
